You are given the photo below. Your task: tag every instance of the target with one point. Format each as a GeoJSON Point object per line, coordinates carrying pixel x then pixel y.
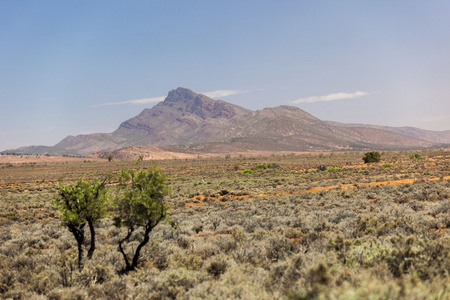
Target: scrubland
{"type": "Point", "coordinates": [322, 226]}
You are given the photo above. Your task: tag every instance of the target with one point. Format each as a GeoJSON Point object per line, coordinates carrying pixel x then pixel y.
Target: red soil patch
{"type": "Point", "coordinates": [317, 189]}
{"type": "Point", "coordinates": [371, 184]}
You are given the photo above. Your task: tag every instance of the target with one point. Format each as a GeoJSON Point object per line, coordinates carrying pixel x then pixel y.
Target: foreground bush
{"type": "Point", "coordinates": [81, 203]}
{"type": "Point", "coordinates": [139, 204]}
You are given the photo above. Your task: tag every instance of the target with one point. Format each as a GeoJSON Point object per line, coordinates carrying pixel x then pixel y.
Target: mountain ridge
{"type": "Point", "coordinates": [188, 119]}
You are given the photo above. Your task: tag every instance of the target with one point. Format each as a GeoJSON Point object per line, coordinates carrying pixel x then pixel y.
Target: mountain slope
{"type": "Point", "coordinates": [437, 137]}
{"type": "Point", "coordinates": [290, 128]}
{"type": "Point", "coordinates": [193, 120]}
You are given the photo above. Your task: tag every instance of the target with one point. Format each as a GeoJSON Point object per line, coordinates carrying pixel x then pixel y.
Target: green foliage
{"type": "Point", "coordinates": [387, 165]}
{"type": "Point", "coordinates": [141, 198]}
{"type": "Point", "coordinates": [333, 169]}
{"type": "Point", "coordinates": [140, 204]}
{"type": "Point", "coordinates": [373, 156]}
{"type": "Point", "coordinates": [415, 156]}
{"type": "Point", "coordinates": [265, 166]}
{"type": "Point", "coordinates": [80, 204]}
{"type": "Point", "coordinates": [260, 167]}
{"type": "Point", "coordinates": [247, 172]}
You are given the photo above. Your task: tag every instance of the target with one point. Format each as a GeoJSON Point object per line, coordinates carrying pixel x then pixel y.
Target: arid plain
{"type": "Point", "coordinates": [281, 226]}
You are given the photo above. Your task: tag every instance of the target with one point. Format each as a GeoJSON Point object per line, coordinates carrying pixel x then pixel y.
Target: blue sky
{"type": "Point", "coordinates": [76, 67]}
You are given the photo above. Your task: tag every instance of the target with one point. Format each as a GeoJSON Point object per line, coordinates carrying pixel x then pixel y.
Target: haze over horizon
{"type": "Point", "coordinates": [69, 68]}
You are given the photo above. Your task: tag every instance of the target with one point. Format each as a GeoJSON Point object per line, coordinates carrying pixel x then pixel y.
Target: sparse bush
{"type": "Point", "coordinates": [322, 168]}
{"type": "Point", "coordinates": [216, 267]}
{"type": "Point", "coordinates": [260, 167]}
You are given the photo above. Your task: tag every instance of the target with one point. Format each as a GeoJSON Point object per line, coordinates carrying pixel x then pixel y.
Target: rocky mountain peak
{"type": "Point", "coordinates": [180, 95]}
{"type": "Point", "coordinates": [186, 101]}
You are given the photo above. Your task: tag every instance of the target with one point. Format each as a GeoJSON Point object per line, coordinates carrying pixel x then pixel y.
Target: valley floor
{"type": "Point", "coordinates": [310, 226]}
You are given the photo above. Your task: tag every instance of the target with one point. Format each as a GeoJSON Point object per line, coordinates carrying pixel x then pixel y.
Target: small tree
{"type": "Point", "coordinates": [370, 157]}
{"type": "Point", "coordinates": [139, 204]}
{"type": "Point", "coordinates": [81, 203]}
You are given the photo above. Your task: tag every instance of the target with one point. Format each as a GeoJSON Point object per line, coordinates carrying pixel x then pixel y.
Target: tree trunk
{"type": "Point", "coordinates": [125, 258]}
{"type": "Point", "coordinates": [92, 247]}
{"type": "Point", "coordinates": [139, 247]}
{"type": "Point", "coordinates": [80, 252]}
{"type": "Point", "coordinates": [78, 233]}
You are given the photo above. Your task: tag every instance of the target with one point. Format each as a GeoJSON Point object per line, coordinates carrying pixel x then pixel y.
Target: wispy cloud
{"type": "Point", "coordinates": [135, 101]}
{"type": "Point", "coordinates": [331, 97]}
{"type": "Point", "coordinates": [223, 93]}
{"type": "Point", "coordinates": [213, 94]}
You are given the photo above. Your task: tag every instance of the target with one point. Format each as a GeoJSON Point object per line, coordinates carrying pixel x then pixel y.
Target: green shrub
{"type": "Point", "coordinates": [332, 169]}
{"type": "Point", "coordinates": [387, 165]}
{"type": "Point", "coordinates": [415, 156]}
{"type": "Point", "coordinates": [247, 172]}
{"type": "Point", "coordinates": [260, 167]}
{"type": "Point", "coordinates": [373, 156]}
{"type": "Point", "coordinates": [266, 166]}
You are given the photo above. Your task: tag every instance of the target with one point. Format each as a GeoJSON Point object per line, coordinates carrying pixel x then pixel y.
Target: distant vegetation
{"type": "Point", "coordinates": [415, 156]}
{"type": "Point", "coordinates": [370, 157]}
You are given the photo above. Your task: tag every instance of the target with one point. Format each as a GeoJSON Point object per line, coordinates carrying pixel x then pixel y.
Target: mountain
{"type": "Point", "coordinates": [187, 121]}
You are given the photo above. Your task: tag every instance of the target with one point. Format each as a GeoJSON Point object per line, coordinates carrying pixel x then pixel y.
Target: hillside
{"type": "Point", "coordinates": [192, 120]}
{"type": "Point", "coordinates": [439, 137]}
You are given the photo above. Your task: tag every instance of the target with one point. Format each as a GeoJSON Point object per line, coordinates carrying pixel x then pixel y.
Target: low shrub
{"type": "Point", "coordinates": [332, 169]}
{"type": "Point", "coordinates": [373, 156]}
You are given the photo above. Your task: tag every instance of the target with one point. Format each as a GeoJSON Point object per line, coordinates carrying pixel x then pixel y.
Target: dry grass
{"type": "Point", "coordinates": [287, 232]}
